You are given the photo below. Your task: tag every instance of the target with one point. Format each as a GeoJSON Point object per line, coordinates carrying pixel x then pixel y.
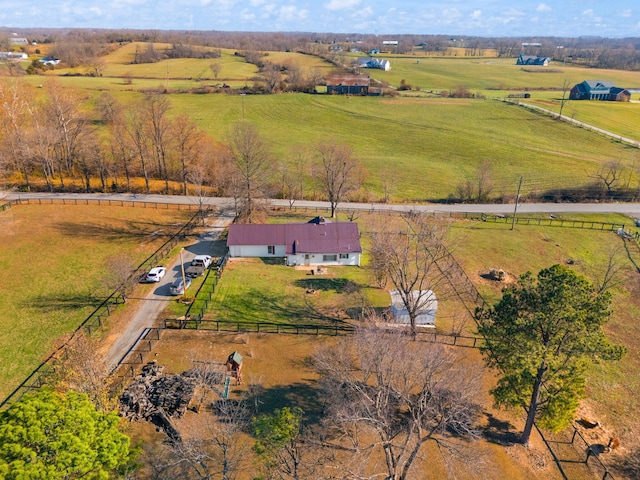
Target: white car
{"type": "Point", "coordinates": [156, 274]}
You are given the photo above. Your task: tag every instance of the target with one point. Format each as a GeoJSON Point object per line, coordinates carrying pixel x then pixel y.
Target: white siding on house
{"type": "Point", "coordinates": [348, 259]}
{"type": "Point", "coordinates": [256, 251]}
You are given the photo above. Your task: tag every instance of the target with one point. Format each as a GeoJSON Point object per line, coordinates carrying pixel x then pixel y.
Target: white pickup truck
{"type": "Point", "coordinates": [198, 265]}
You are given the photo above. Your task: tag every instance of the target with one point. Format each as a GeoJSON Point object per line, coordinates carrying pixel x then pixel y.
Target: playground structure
{"type": "Point", "coordinates": [234, 370]}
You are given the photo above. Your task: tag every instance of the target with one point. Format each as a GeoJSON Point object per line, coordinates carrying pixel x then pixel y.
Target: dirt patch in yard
{"type": "Point", "coordinates": [279, 364]}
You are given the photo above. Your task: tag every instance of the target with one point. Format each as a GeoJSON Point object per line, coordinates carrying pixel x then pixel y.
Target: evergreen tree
{"type": "Point", "coordinates": [541, 338]}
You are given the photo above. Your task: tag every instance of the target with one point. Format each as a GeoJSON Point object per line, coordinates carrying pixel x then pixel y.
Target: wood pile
{"type": "Point", "coordinates": [157, 398]}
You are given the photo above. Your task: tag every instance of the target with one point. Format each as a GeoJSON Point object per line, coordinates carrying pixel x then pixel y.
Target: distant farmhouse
{"type": "Point", "coordinates": [599, 90]}
{"type": "Point", "coordinates": [18, 41]}
{"type": "Point", "coordinates": [315, 243]}
{"type": "Point", "coordinates": [13, 56]}
{"type": "Point", "coordinates": [532, 60]}
{"type": "Point", "coordinates": [369, 62]}
{"type": "Point", "coordinates": [50, 60]}
{"type": "Point", "coordinates": [348, 84]}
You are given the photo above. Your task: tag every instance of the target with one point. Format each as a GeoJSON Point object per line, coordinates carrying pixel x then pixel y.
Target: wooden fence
{"type": "Point", "coordinates": [105, 202]}
{"type": "Point", "coordinates": [553, 222]}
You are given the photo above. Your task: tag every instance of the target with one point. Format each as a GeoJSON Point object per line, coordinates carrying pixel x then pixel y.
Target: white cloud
{"type": "Point", "coordinates": [625, 13]}
{"type": "Point", "coordinates": [476, 15]}
{"type": "Point", "coordinates": [543, 7]}
{"type": "Point", "coordinates": [291, 13]}
{"type": "Point", "coordinates": [341, 4]}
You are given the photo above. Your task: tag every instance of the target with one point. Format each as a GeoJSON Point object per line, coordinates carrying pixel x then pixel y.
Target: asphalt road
{"type": "Point", "coordinates": [631, 209]}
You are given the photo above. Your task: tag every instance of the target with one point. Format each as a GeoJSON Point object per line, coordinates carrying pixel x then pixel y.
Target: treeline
{"type": "Point", "coordinates": [57, 137]}
{"type": "Point", "coordinates": [598, 52]}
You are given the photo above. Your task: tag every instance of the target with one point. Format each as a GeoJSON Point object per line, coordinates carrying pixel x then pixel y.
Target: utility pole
{"type": "Point", "coordinates": [515, 209]}
{"type": "Point", "coordinates": [184, 280]}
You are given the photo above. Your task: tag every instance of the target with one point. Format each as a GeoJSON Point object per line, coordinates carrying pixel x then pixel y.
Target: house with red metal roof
{"type": "Point", "coordinates": [316, 243]}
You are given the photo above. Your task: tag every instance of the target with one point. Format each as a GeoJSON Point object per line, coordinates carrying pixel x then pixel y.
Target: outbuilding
{"type": "Point", "coordinates": [427, 307]}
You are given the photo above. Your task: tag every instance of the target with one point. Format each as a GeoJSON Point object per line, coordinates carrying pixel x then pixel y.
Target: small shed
{"type": "Point", "coordinates": [427, 308]}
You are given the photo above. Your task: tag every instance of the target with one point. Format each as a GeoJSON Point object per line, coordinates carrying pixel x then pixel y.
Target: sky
{"type": "Point", "coordinates": [496, 18]}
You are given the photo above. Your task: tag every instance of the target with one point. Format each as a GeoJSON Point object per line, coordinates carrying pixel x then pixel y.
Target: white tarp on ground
{"type": "Point", "coordinates": [427, 307]}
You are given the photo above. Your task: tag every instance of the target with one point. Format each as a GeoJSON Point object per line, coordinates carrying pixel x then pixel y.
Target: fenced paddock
{"type": "Point", "coordinates": [95, 321]}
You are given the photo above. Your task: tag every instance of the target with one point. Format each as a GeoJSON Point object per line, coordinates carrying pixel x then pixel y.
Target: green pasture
{"type": "Point", "coordinates": [52, 272]}
{"type": "Point", "coordinates": [424, 147]}
{"type": "Point", "coordinates": [445, 73]}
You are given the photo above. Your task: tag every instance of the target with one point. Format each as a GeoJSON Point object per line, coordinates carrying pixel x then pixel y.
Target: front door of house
{"type": "Point", "coordinates": [306, 259]}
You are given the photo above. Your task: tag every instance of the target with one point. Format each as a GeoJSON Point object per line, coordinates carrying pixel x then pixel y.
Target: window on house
{"type": "Point", "coordinates": [271, 250]}
{"type": "Point", "coordinates": [344, 255]}
{"type": "Point", "coordinates": [329, 258]}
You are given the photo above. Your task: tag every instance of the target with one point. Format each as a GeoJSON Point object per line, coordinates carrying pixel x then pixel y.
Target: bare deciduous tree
{"type": "Point", "coordinates": [84, 369]}
{"type": "Point", "coordinates": [253, 164]}
{"type": "Point", "coordinates": [477, 188]}
{"type": "Point", "coordinates": [119, 270]}
{"type": "Point", "coordinates": [187, 138]}
{"type": "Point", "coordinates": [337, 171]}
{"type": "Point", "coordinates": [565, 99]}
{"type": "Point", "coordinates": [407, 255]}
{"type": "Point", "coordinates": [271, 76]}
{"type": "Point", "coordinates": [155, 110]}
{"type": "Point", "coordinates": [388, 396]}
{"type": "Point", "coordinates": [609, 174]}
{"type": "Point", "coordinates": [215, 68]}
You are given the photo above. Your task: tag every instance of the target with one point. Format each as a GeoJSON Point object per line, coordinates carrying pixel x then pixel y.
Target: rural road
{"type": "Point", "coordinates": [156, 301]}
{"type": "Point", "coordinates": [631, 209]}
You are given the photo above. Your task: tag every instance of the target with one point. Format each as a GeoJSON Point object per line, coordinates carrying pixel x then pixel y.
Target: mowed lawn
{"type": "Point", "coordinates": [52, 272]}
{"type": "Point", "coordinates": [257, 290]}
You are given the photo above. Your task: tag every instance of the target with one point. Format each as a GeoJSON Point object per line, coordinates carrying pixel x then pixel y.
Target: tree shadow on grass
{"type": "Point", "coordinates": [71, 301]}
{"type": "Point", "coordinates": [337, 285]}
{"type": "Point", "coordinates": [132, 229]}
{"type": "Point", "coordinates": [285, 308]}
{"type": "Point", "coordinates": [627, 464]}
{"type": "Point", "coordinates": [298, 394]}
{"type": "Point", "coordinates": [499, 431]}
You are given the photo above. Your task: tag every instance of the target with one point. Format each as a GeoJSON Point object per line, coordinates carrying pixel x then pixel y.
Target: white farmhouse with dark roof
{"type": "Point", "coordinates": [299, 243]}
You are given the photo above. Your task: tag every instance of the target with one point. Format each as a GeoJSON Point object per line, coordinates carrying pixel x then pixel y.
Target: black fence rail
{"type": "Point", "coordinates": [578, 456]}
{"type": "Point", "coordinates": [553, 222]}
{"type": "Point", "coordinates": [6, 206]}
{"type": "Point", "coordinates": [41, 375]}
{"type": "Point", "coordinates": [128, 366]}
{"type": "Point", "coordinates": [259, 327]}
{"type": "Point", "coordinates": [495, 218]}
{"type": "Point", "coordinates": [106, 202]}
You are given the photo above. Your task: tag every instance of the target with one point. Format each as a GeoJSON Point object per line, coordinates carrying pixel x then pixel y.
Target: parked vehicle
{"type": "Point", "coordinates": [198, 265]}
{"type": "Point", "coordinates": [177, 287]}
{"type": "Point", "coordinates": [156, 274]}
